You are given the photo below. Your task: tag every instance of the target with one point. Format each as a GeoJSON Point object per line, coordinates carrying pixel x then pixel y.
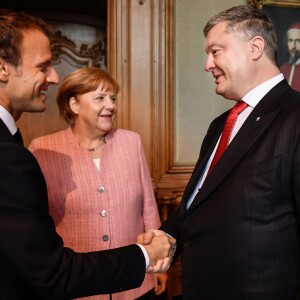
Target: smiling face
{"type": "Point", "coordinates": [229, 62]}
{"type": "Point", "coordinates": [29, 81]}
{"type": "Point", "coordinates": [94, 111]}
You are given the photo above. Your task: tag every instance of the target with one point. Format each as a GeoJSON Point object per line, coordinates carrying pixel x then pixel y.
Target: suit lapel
{"type": "Point", "coordinates": [5, 135]}
{"type": "Point", "coordinates": [256, 124]}
{"type": "Point", "coordinates": [206, 149]}
{"type": "Point", "coordinates": [18, 137]}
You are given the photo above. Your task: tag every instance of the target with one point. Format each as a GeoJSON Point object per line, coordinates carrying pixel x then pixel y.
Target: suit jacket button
{"type": "Point", "coordinates": [105, 238]}
{"type": "Point", "coordinates": [103, 213]}
{"type": "Point", "coordinates": [101, 189]}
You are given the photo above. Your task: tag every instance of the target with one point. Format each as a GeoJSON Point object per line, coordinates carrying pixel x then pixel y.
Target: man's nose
{"type": "Point", "coordinates": [209, 65]}
{"type": "Point", "coordinates": [52, 77]}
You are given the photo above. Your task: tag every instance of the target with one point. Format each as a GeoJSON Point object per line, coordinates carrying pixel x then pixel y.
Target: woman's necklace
{"type": "Point", "coordinates": [102, 141]}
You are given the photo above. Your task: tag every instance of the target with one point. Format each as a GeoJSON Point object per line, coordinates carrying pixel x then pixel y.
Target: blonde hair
{"type": "Point", "coordinates": [80, 82]}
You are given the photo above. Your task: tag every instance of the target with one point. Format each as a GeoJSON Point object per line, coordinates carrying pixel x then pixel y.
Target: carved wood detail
{"type": "Point", "coordinates": [257, 3]}
{"type": "Point", "coordinates": [284, 3]}
{"type": "Point", "coordinates": [63, 47]}
{"type": "Point", "coordinates": [145, 102]}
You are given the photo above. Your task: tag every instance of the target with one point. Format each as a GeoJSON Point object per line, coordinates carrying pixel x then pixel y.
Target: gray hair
{"type": "Point", "coordinates": [251, 22]}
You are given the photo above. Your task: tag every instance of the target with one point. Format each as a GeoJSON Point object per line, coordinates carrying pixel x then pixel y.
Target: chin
{"type": "Point", "coordinates": [105, 129]}
{"type": "Point", "coordinates": [108, 129]}
{"type": "Point", "coordinates": [220, 92]}
{"type": "Point", "coordinates": [39, 109]}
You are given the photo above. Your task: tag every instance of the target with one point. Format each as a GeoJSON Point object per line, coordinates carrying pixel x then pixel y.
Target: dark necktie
{"type": "Point", "coordinates": [18, 137]}
{"type": "Point", "coordinates": [229, 124]}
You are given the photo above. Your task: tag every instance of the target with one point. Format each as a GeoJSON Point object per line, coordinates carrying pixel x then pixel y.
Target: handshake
{"type": "Point", "coordinates": [160, 248]}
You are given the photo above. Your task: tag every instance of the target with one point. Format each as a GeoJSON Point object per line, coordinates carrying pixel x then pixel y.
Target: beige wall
{"type": "Point", "coordinates": [196, 103]}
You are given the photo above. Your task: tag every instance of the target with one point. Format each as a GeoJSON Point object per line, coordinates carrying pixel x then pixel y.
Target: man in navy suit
{"type": "Point", "coordinates": [237, 229]}
{"type": "Point", "coordinates": [34, 263]}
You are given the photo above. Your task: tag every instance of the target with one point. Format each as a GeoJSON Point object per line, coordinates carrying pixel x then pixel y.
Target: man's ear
{"type": "Point", "coordinates": [257, 47]}
{"type": "Point", "coordinates": [74, 105]}
{"type": "Point", "coordinates": [4, 70]}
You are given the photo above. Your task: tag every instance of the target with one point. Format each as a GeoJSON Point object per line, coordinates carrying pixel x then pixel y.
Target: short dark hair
{"type": "Point", "coordinates": [12, 26]}
{"type": "Point", "coordinates": [250, 21]}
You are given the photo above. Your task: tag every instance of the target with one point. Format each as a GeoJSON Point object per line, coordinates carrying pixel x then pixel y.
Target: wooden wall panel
{"type": "Point", "coordinates": [129, 60]}
{"type": "Point", "coordinates": [140, 58]}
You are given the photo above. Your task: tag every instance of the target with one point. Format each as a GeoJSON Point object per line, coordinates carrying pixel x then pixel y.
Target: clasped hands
{"type": "Point", "coordinates": [160, 248]}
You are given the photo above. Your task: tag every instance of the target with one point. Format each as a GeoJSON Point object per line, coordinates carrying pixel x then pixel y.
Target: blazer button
{"type": "Point", "coordinates": [103, 213]}
{"type": "Point", "coordinates": [187, 243]}
{"type": "Point", "coordinates": [105, 238]}
{"type": "Point", "coordinates": [101, 189]}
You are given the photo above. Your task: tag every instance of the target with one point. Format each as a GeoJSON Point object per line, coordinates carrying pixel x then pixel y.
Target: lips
{"type": "Point", "coordinates": [105, 116]}
{"type": "Point", "coordinates": [218, 77]}
{"type": "Point", "coordinates": [44, 90]}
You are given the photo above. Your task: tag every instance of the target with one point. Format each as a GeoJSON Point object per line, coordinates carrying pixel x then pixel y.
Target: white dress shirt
{"type": "Point", "coordinates": [8, 120]}
{"type": "Point", "coordinates": [252, 98]}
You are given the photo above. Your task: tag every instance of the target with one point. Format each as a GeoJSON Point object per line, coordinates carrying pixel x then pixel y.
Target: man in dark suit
{"type": "Point", "coordinates": [34, 263]}
{"type": "Point", "coordinates": [237, 229]}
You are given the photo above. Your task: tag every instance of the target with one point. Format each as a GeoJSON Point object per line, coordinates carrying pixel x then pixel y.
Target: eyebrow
{"type": "Point", "coordinates": [209, 47]}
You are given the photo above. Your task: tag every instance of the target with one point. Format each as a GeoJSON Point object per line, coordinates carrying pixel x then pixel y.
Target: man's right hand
{"type": "Point", "coordinates": [160, 249]}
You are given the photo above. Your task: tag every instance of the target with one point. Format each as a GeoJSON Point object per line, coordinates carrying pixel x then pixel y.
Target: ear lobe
{"type": "Point", "coordinates": [74, 105]}
{"type": "Point", "coordinates": [257, 45]}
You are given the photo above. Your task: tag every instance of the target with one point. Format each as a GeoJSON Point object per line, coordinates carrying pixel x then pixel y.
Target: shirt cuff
{"type": "Point", "coordinates": [147, 259]}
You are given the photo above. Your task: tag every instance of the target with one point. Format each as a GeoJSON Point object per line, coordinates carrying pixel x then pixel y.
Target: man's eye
{"type": "Point", "coordinates": [42, 68]}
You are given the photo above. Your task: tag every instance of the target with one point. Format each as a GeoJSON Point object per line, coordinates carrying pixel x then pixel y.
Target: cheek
{"type": "Point", "coordinates": [227, 63]}
{"type": "Point", "coordinates": [240, 65]}
{"type": "Point", "coordinates": [232, 72]}
{"type": "Point", "coordinates": [96, 108]}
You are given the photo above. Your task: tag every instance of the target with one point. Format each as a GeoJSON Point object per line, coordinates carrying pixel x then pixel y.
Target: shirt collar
{"type": "Point", "coordinates": [255, 95]}
{"type": "Point", "coordinates": [8, 120]}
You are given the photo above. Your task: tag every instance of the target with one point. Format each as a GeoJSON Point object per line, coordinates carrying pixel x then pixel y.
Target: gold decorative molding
{"type": "Point", "coordinates": [287, 3]}
{"type": "Point", "coordinates": [63, 47]}
{"type": "Point", "coordinates": [293, 3]}
{"type": "Point", "coordinates": [257, 3]}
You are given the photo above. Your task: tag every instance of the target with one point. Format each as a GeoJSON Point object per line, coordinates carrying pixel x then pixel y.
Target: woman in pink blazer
{"type": "Point", "coordinates": [99, 186]}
